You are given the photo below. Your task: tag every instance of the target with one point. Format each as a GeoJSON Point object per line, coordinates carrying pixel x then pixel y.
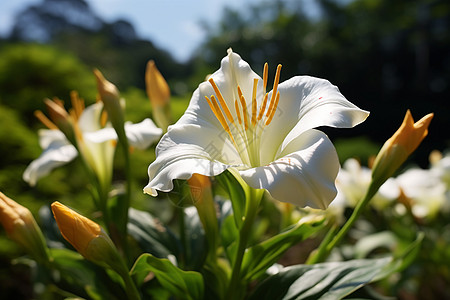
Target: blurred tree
{"type": "Point", "coordinates": [30, 72]}
{"type": "Point", "coordinates": [114, 47]}
{"type": "Point", "coordinates": [18, 147]}
{"type": "Point", "coordinates": [42, 22]}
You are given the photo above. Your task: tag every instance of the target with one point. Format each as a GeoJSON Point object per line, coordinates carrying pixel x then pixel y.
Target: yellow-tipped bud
{"type": "Point", "coordinates": [200, 186]}
{"type": "Point", "coordinates": [159, 94]}
{"type": "Point", "coordinates": [106, 89]}
{"type": "Point", "coordinates": [110, 96]}
{"type": "Point", "coordinates": [21, 226]}
{"type": "Point", "coordinates": [61, 118]}
{"type": "Point", "coordinates": [397, 149]}
{"type": "Point", "coordinates": [57, 112]}
{"type": "Point", "coordinates": [157, 88]}
{"type": "Point", "coordinates": [86, 236]}
{"type": "Point", "coordinates": [201, 192]}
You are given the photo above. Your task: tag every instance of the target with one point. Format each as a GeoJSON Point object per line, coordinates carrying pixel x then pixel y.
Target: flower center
{"type": "Point", "coordinates": [246, 133]}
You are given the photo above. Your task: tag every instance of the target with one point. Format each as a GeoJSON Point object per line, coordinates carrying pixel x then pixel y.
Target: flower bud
{"type": "Point", "coordinates": [86, 236]}
{"type": "Point", "coordinates": [109, 94]}
{"type": "Point", "coordinates": [21, 226]}
{"type": "Point", "coordinates": [61, 118]}
{"type": "Point", "coordinates": [202, 196]}
{"type": "Point", "coordinates": [159, 94]}
{"type": "Point", "coordinates": [396, 150]}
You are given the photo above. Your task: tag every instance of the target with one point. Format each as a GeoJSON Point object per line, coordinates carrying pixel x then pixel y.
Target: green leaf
{"type": "Point", "coordinates": [151, 235]}
{"type": "Point", "coordinates": [229, 235]}
{"type": "Point", "coordinates": [83, 278]}
{"type": "Point", "coordinates": [404, 259]}
{"type": "Point", "coordinates": [321, 281]}
{"type": "Point", "coordinates": [181, 284]}
{"type": "Point", "coordinates": [50, 229]}
{"type": "Point", "coordinates": [118, 210]}
{"type": "Point", "coordinates": [367, 244]}
{"type": "Point", "coordinates": [237, 195]}
{"type": "Point", "coordinates": [260, 257]}
{"type": "Point", "coordinates": [333, 280]}
{"type": "Point", "coordinates": [195, 244]}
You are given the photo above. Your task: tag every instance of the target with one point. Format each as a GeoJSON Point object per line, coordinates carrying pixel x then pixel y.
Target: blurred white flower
{"type": "Point", "coordinates": [424, 190]}
{"type": "Point", "coordinates": [96, 144]}
{"type": "Point", "coordinates": [440, 166]}
{"type": "Point", "coordinates": [353, 181]}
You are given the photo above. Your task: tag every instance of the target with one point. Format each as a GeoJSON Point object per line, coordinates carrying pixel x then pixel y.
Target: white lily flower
{"type": "Point", "coordinates": [353, 181]}
{"type": "Point", "coordinates": [97, 145]}
{"type": "Point", "coordinates": [440, 166]}
{"type": "Point", "coordinates": [267, 138]}
{"type": "Point", "coordinates": [425, 190]}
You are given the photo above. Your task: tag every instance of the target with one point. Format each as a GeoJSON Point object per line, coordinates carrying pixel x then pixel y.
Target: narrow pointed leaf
{"type": "Point", "coordinates": [237, 195]}
{"type": "Point", "coordinates": [151, 235]}
{"type": "Point", "coordinates": [333, 280]}
{"type": "Point", "coordinates": [260, 257]}
{"type": "Point", "coordinates": [83, 278]}
{"type": "Point", "coordinates": [181, 284]}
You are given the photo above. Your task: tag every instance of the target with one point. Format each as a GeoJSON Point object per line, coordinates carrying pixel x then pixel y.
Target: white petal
{"type": "Point", "coordinates": [180, 162]}
{"type": "Point", "coordinates": [140, 135]}
{"type": "Point", "coordinates": [101, 136]}
{"type": "Point", "coordinates": [305, 103]}
{"type": "Point", "coordinates": [304, 175]}
{"type": "Point", "coordinates": [57, 153]}
{"type": "Point", "coordinates": [233, 72]}
{"type": "Point", "coordinates": [185, 150]}
{"type": "Point", "coordinates": [51, 138]}
{"type": "Point", "coordinates": [90, 118]}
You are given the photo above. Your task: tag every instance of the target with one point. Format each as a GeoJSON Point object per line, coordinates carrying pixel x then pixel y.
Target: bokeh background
{"type": "Point", "coordinates": [385, 56]}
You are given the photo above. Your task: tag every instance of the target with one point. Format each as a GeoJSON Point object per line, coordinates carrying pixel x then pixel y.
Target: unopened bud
{"type": "Point", "coordinates": [202, 196]}
{"type": "Point", "coordinates": [21, 226]}
{"type": "Point", "coordinates": [396, 150]}
{"type": "Point", "coordinates": [159, 94]}
{"type": "Point", "coordinates": [109, 94]}
{"type": "Point", "coordinates": [61, 118]}
{"type": "Point", "coordinates": [86, 236]}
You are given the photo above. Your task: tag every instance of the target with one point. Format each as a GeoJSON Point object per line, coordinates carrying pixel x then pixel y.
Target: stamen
{"type": "Point", "coordinates": [222, 101]}
{"type": "Point", "coordinates": [77, 104]}
{"type": "Point", "coordinates": [244, 110]}
{"type": "Point", "coordinates": [76, 127]}
{"type": "Point", "coordinates": [266, 71]}
{"type": "Point", "coordinates": [274, 108]}
{"type": "Point", "coordinates": [103, 118]}
{"type": "Point", "coordinates": [255, 85]}
{"type": "Point", "coordinates": [236, 107]}
{"type": "Point", "coordinates": [274, 89]}
{"type": "Point", "coordinates": [44, 120]}
{"type": "Point", "coordinates": [219, 115]}
{"type": "Point", "coordinates": [263, 106]}
{"type": "Point", "coordinates": [239, 92]}
{"type": "Point", "coordinates": [244, 106]}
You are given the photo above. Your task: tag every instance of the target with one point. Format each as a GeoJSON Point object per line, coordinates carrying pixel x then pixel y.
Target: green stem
{"type": "Point", "coordinates": [130, 287]}
{"type": "Point", "coordinates": [253, 200]}
{"type": "Point", "coordinates": [126, 206]}
{"type": "Point", "coordinates": [320, 253]}
{"type": "Point", "coordinates": [326, 246]}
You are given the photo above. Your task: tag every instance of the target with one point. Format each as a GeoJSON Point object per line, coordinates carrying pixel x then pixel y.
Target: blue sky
{"type": "Point", "coordinates": [171, 24]}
